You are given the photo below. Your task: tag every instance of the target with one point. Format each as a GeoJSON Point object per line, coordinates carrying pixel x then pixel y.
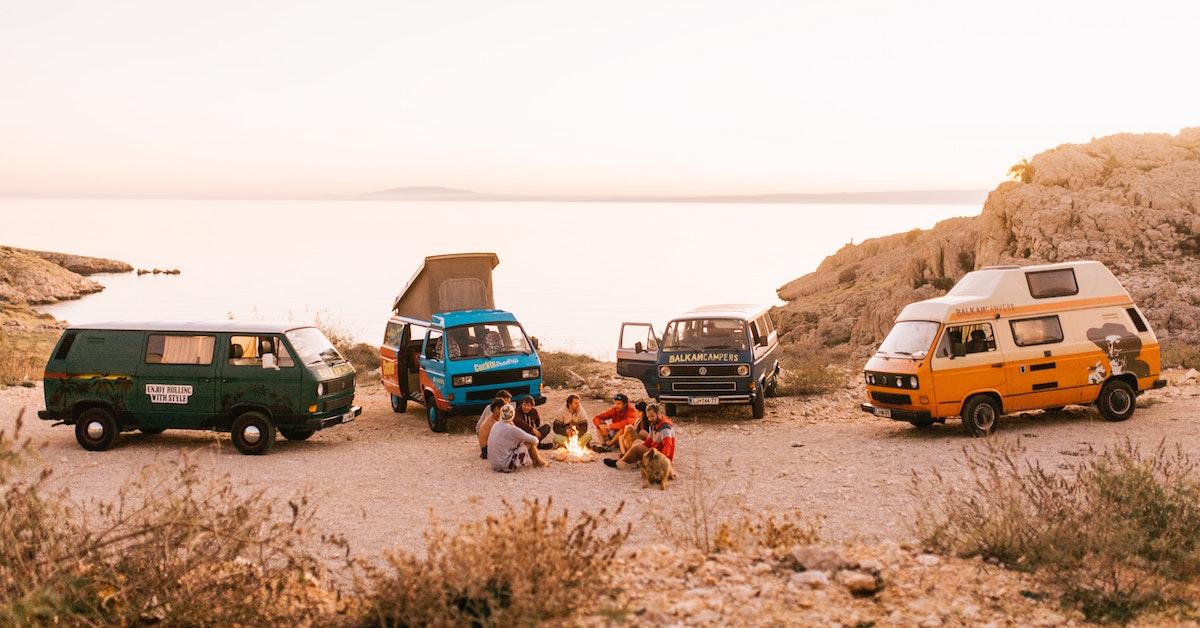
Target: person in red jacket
{"type": "Point", "coordinates": [610, 422]}
{"type": "Point", "coordinates": [661, 437]}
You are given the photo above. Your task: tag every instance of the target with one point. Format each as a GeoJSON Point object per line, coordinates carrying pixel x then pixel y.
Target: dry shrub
{"type": "Point", "coordinates": [809, 369]}
{"type": "Point", "coordinates": [173, 548]}
{"type": "Point", "coordinates": [1181, 355]}
{"type": "Point", "coordinates": [23, 356]}
{"type": "Point", "coordinates": [364, 357]}
{"type": "Point", "coordinates": [522, 567]}
{"type": "Point", "coordinates": [1119, 533]}
{"type": "Point", "coordinates": [709, 514]}
{"type": "Point", "coordinates": [562, 368]}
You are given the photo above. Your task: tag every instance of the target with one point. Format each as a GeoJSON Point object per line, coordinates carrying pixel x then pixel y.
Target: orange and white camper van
{"type": "Point", "coordinates": [1007, 339]}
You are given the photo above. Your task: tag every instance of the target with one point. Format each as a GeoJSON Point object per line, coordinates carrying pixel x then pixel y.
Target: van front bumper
{"type": "Point", "coordinates": [320, 423]}
{"type": "Point", "coordinates": [701, 399]}
{"type": "Point", "coordinates": [895, 414]}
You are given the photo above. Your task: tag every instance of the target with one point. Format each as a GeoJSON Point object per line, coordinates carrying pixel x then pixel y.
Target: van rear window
{"type": "Point", "coordinates": [1137, 319]}
{"type": "Point", "coordinates": [65, 346]}
{"type": "Point", "coordinates": [163, 349]}
{"type": "Point", "coordinates": [1044, 284]}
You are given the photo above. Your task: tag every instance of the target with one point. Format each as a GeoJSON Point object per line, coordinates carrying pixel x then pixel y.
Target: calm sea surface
{"type": "Point", "coordinates": [570, 271]}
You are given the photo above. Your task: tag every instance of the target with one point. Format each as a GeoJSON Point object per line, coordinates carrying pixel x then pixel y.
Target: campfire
{"type": "Point", "coordinates": [572, 451]}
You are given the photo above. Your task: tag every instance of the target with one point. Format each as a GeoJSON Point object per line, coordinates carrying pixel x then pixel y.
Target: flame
{"type": "Point", "coordinates": [573, 451]}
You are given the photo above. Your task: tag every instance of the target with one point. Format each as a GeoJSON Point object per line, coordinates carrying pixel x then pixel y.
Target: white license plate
{"type": "Point", "coordinates": [704, 401]}
{"type": "Point", "coordinates": [883, 412]}
{"type": "Point", "coordinates": [348, 417]}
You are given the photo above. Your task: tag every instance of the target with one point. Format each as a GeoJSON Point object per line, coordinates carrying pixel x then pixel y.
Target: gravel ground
{"type": "Point", "coordinates": [381, 480]}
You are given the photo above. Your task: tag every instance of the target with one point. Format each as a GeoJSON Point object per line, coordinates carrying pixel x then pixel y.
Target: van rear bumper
{"type": "Point", "coordinates": [1159, 383]}
{"type": "Point", "coordinates": [895, 414]}
{"type": "Point", "coordinates": [47, 415]}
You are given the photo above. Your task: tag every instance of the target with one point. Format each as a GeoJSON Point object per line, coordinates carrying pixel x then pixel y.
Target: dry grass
{"type": "Point", "coordinates": [363, 356]}
{"type": "Point", "coordinates": [1176, 354]}
{"type": "Point", "coordinates": [526, 566]}
{"type": "Point", "coordinates": [709, 514]}
{"type": "Point", "coordinates": [561, 368]}
{"type": "Point", "coordinates": [24, 346]}
{"type": "Point", "coordinates": [1118, 533]}
{"type": "Point", "coordinates": [810, 370]}
{"type": "Point", "coordinates": [174, 548]}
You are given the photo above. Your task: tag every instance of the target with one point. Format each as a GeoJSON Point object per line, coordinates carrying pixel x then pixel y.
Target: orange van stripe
{"type": "Point", "coordinates": [1077, 304]}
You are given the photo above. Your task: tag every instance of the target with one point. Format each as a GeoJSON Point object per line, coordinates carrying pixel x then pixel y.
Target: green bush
{"type": "Point", "coordinates": [1118, 533]}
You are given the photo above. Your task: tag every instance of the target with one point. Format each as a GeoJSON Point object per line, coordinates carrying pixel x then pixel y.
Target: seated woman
{"type": "Point", "coordinates": [660, 437]}
{"type": "Point", "coordinates": [571, 417]}
{"type": "Point", "coordinates": [509, 447]}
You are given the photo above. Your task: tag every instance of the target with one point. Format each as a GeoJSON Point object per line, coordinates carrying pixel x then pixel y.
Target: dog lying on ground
{"type": "Point", "coordinates": [656, 469]}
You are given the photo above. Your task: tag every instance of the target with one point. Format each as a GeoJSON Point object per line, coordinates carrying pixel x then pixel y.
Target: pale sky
{"type": "Point", "coordinates": [556, 97]}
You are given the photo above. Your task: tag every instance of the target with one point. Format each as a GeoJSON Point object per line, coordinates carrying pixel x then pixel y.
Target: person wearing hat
{"type": "Point", "coordinates": [610, 422]}
{"type": "Point", "coordinates": [529, 420]}
{"type": "Point", "coordinates": [661, 436]}
{"type": "Point", "coordinates": [509, 447]}
{"type": "Point", "coordinates": [484, 429]}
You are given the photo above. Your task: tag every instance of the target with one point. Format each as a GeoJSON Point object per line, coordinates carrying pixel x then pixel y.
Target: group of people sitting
{"type": "Point", "coordinates": [512, 435]}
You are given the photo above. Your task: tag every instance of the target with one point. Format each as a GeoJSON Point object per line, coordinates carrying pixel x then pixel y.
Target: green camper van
{"type": "Point", "coordinates": [246, 378]}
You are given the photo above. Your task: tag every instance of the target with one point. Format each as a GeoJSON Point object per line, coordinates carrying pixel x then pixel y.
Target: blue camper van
{"type": "Point", "coordinates": [447, 348]}
{"type": "Point", "coordinates": [711, 356]}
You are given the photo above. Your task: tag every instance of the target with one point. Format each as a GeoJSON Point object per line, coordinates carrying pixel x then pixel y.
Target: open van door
{"type": "Point", "coordinates": [637, 354]}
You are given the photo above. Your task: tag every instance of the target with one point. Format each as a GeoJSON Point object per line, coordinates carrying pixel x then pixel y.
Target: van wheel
{"type": "Point", "coordinates": [439, 422]}
{"type": "Point", "coordinates": [772, 387]}
{"type": "Point", "coordinates": [1116, 401]}
{"type": "Point", "coordinates": [399, 404]}
{"type": "Point", "coordinates": [95, 429]}
{"type": "Point", "coordinates": [253, 433]}
{"type": "Point", "coordinates": [922, 424]}
{"type": "Point", "coordinates": [979, 415]}
{"type": "Point", "coordinates": [296, 434]}
{"type": "Point", "coordinates": [758, 407]}
{"type": "Point", "coordinates": [670, 409]}
{"type": "Point", "coordinates": [1054, 410]}
{"type": "Point", "coordinates": [152, 431]}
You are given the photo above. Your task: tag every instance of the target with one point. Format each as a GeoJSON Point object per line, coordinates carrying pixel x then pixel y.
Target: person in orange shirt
{"type": "Point", "coordinates": [610, 422]}
{"type": "Point", "coordinates": [661, 436]}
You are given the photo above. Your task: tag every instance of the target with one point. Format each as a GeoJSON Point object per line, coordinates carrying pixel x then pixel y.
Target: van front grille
{"type": "Point", "coordinates": [702, 386]}
{"type": "Point", "coordinates": [709, 370]}
{"type": "Point", "coordinates": [488, 395]}
{"type": "Point", "coordinates": [892, 398]}
{"type": "Point", "coordinates": [333, 387]}
{"type": "Point", "coordinates": [496, 377]}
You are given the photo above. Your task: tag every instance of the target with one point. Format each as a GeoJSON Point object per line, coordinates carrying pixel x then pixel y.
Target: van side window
{"type": "Point", "coordinates": [1043, 330]}
{"type": "Point", "coordinates": [69, 339]}
{"type": "Point", "coordinates": [976, 338]}
{"type": "Point", "coordinates": [1138, 323]}
{"type": "Point", "coordinates": [248, 351]}
{"type": "Point", "coordinates": [1044, 284]}
{"type": "Point", "coordinates": [433, 346]}
{"type": "Point", "coordinates": [392, 335]}
{"type": "Point", "coordinates": [164, 349]}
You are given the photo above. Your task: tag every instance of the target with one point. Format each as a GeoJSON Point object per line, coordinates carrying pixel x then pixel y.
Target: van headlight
{"type": "Point", "coordinates": [743, 370]}
{"type": "Point", "coordinates": [912, 381]}
{"type": "Point", "coordinates": [531, 373]}
{"type": "Point", "coordinates": [321, 389]}
{"type": "Point", "coordinates": [664, 371]}
{"type": "Point", "coordinates": [463, 380]}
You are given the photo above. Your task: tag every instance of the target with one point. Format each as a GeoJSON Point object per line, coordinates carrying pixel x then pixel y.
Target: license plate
{"type": "Point", "coordinates": [348, 417]}
{"type": "Point", "coordinates": [883, 412]}
{"type": "Point", "coordinates": [704, 401]}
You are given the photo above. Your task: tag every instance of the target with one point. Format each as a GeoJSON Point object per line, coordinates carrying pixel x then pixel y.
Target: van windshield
{"type": "Point", "coordinates": [910, 339]}
{"type": "Point", "coordinates": [706, 334]}
{"type": "Point", "coordinates": [313, 347]}
{"type": "Point", "coordinates": [486, 340]}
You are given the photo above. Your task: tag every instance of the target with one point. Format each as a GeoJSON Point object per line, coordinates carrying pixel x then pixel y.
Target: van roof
{"type": "Point", "coordinates": [461, 317]}
{"type": "Point", "coordinates": [1004, 290]}
{"type": "Point", "coordinates": [249, 327]}
{"type": "Point", "coordinates": [742, 311]}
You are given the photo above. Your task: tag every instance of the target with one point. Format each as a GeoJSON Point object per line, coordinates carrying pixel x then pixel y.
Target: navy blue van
{"type": "Point", "coordinates": [711, 356]}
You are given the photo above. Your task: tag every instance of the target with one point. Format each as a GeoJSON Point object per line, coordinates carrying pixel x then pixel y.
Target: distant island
{"type": "Point", "coordinates": [904, 197]}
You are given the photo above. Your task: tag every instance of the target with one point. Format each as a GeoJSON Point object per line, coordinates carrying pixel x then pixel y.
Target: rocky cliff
{"type": "Point", "coordinates": [1130, 201]}
{"type": "Point", "coordinates": [37, 277]}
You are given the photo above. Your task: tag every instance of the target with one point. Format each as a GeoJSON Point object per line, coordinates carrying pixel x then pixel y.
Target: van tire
{"type": "Point", "coordinates": [256, 441]}
{"type": "Point", "coordinates": [399, 404]}
{"type": "Point", "coordinates": [979, 415]}
{"type": "Point", "coordinates": [291, 434]}
{"type": "Point", "coordinates": [96, 429]}
{"type": "Point", "coordinates": [670, 409]}
{"type": "Point", "coordinates": [438, 420]}
{"type": "Point", "coordinates": [772, 387]}
{"type": "Point", "coordinates": [922, 424]}
{"type": "Point", "coordinates": [758, 407]}
{"type": "Point", "coordinates": [1117, 400]}
{"type": "Point", "coordinates": [152, 431]}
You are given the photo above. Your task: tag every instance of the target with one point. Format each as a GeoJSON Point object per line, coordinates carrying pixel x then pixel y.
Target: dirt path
{"type": "Point", "coordinates": [377, 481]}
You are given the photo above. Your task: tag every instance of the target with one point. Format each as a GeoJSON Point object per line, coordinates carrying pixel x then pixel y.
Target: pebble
{"type": "Point", "coordinates": [858, 582]}
{"type": "Point", "coordinates": [927, 560]}
{"type": "Point", "coordinates": [810, 580]}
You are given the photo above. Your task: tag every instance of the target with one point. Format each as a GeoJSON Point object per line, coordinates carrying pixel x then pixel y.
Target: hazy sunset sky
{"type": "Point", "coordinates": [609, 97]}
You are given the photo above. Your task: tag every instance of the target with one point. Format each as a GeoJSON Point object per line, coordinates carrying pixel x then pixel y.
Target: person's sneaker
{"type": "Point", "coordinates": [612, 462]}
{"type": "Point", "coordinates": [483, 453]}
{"type": "Point", "coordinates": [545, 445]}
{"type": "Point", "coordinates": [601, 449]}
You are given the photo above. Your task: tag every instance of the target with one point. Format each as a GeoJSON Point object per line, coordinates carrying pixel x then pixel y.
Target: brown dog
{"type": "Point", "coordinates": [656, 469]}
{"type": "Point", "coordinates": [626, 438]}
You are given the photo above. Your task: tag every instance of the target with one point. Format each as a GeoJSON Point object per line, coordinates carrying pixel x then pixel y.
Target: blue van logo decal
{"type": "Point", "coordinates": [169, 393]}
{"type": "Point", "coordinates": [495, 364]}
{"type": "Point", "coordinates": [677, 358]}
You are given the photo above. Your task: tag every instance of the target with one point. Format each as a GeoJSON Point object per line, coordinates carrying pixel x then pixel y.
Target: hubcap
{"type": "Point", "coordinates": [251, 434]}
{"type": "Point", "coordinates": [1119, 400]}
{"type": "Point", "coordinates": [984, 417]}
{"type": "Point", "coordinates": [95, 430]}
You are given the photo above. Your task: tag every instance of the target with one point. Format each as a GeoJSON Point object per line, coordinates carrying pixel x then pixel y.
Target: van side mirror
{"type": "Point", "coordinates": [958, 349]}
{"type": "Point", "coordinates": [638, 347]}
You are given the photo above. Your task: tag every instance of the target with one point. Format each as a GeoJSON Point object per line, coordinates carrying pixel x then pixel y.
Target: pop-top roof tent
{"type": "Point", "coordinates": [1012, 290]}
{"type": "Point", "coordinates": [448, 283]}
